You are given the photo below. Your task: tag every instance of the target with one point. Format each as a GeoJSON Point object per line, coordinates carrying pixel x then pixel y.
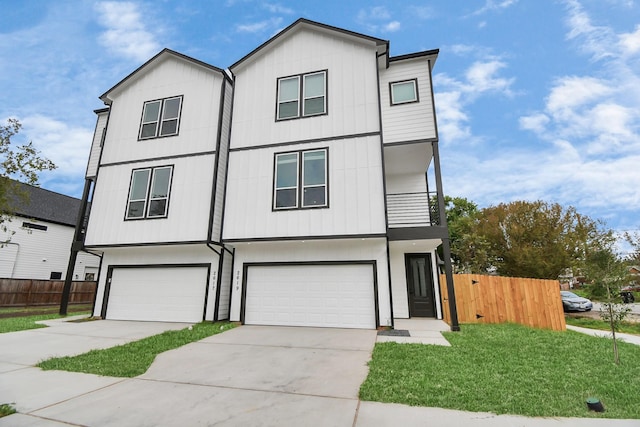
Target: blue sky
{"type": "Point", "coordinates": [535, 99]}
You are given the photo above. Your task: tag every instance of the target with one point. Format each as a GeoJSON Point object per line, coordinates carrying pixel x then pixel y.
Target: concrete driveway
{"type": "Point", "coordinates": [248, 376]}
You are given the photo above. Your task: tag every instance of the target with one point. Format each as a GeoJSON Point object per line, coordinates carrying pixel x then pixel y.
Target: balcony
{"type": "Point", "coordinates": [413, 216]}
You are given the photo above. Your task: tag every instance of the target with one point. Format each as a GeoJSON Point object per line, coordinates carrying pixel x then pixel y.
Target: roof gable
{"type": "Point", "coordinates": [381, 45]}
{"type": "Point", "coordinates": [158, 59]}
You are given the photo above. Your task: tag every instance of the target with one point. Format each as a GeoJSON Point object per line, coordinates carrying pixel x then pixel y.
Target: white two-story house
{"type": "Point", "coordinates": [290, 189]}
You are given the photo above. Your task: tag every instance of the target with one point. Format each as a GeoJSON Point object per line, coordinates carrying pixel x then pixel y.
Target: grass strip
{"type": "Point", "coordinates": [6, 409]}
{"type": "Point", "coordinates": [134, 358]}
{"type": "Point", "coordinates": [23, 323]}
{"type": "Point", "coordinates": [588, 322]}
{"type": "Point", "coordinates": [508, 369]}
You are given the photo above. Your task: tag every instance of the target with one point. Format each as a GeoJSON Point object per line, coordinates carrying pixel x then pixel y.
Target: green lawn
{"type": "Point", "coordinates": [587, 322]}
{"type": "Point", "coordinates": [508, 369]}
{"type": "Point", "coordinates": [134, 358]}
{"type": "Point", "coordinates": [13, 324]}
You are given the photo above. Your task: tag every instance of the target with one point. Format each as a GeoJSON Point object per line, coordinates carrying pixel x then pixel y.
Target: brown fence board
{"type": "Point", "coordinates": [495, 299]}
{"type": "Point", "coordinates": [27, 292]}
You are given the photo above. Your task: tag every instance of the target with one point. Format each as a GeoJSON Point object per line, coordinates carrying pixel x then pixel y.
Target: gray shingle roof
{"type": "Point", "coordinates": [46, 205]}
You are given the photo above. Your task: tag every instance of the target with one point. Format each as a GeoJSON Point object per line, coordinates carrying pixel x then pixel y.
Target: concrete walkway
{"type": "Point", "coordinates": [420, 331]}
{"type": "Point", "coordinates": [248, 376]}
{"type": "Point", "coordinates": [630, 338]}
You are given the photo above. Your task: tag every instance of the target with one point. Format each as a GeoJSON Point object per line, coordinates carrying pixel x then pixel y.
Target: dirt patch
{"type": "Point", "coordinates": [593, 314]}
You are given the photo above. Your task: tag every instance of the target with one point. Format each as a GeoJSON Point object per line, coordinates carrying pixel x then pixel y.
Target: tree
{"type": "Point", "coordinates": [538, 239]}
{"type": "Point", "coordinates": [17, 163]}
{"type": "Point", "coordinates": [469, 251]}
{"type": "Point", "coordinates": [606, 271]}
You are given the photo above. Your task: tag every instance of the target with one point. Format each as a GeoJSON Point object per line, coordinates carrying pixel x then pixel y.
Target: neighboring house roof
{"type": "Point", "coordinates": [160, 57]}
{"type": "Point", "coordinates": [382, 45]}
{"type": "Point", "coordinates": [45, 205]}
{"type": "Point", "coordinates": [634, 269]}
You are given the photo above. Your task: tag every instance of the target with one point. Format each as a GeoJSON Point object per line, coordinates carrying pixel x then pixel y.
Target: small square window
{"type": "Point", "coordinates": [404, 92]}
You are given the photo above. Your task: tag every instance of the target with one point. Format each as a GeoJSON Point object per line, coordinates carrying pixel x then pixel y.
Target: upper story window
{"type": "Point", "coordinates": [149, 193]}
{"type": "Point", "coordinates": [160, 117]}
{"type": "Point", "coordinates": [404, 92]}
{"type": "Point", "coordinates": [301, 180]}
{"type": "Point", "coordinates": [303, 95]}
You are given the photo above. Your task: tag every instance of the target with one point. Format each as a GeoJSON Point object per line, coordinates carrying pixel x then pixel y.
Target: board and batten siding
{"type": "Point", "coordinates": [352, 93]}
{"type": "Point", "coordinates": [159, 256]}
{"type": "Point", "coordinates": [225, 287]}
{"type": "Point", "coordinates": [315, 252]}
{"type": "Point", "coordinates": [223, 155]}
{"type": "Point", "coordinates": [188, 211]}
{"type": "Point", "coordinates": [356, 197]}
{"type": "Point", "coordinates": [200, 88]}
{"type": "Point", "coordinates": [412, 121]}
{"type": "Point", "coordinates": [35, 254]}
{"type": "Point", "coordinates": [96, 144]}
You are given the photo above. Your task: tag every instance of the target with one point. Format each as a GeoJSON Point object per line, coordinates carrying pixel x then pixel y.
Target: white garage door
{"type": "Point", "coordinates": [174, 294]}
{"type": "Point", "coordinates": [337, 296]}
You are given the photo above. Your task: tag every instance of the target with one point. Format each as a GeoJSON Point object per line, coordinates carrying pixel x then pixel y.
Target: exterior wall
{"type": "Point", "coordinates": [406, 183]}
{"type": "Point", "coordinates": [225, 286]}
{"type": "Point", "coordinates": [223, 155]}
{"type": "Point", "coordinates": [34, 254]}
{"type": "Point", "coordinates": [397, 251]}
{"type": "Point", "coordinates": [191, 254]}
{"type": "Point", "coordinates": [413, 121]}
{"type": "Point", "coordinates": [188, 211]}
{"type": "Point", "coordinates": [352, 93]}
{"type": "Point", "coordinates": [198, 131]}
{"type": "Point", "coordinates": [319, 250]}
{"type": "Point", "coordinates": [356, 196]}
{"type": "Point", "coordinates": [96, 145]}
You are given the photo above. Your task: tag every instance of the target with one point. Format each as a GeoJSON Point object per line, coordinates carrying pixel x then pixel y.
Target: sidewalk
{"type": "Point", "coordinates": [629, 338]}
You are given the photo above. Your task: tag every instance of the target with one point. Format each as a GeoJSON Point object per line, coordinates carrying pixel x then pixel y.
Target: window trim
{"type": "Point", "coordinates": [301, 96]}
{"type": "Point", "coordinates": [148, 199]}
{"type": "Point", "coordinates": [415, 87]}
{"type": "Point", "coordinates": [34, 226]}
{"type": "Point", "coordinates": [300, 186]}
{"type": "Point", "coordinates": [160, 118]}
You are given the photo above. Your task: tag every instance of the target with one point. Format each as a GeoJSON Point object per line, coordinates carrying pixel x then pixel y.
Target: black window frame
{"type": "Point", "coordinates": [301, 96]}
{"type": "Point", "coordinates": [160, 119]}
{"type": "Point", "coordinates": [148, 199]}
{"type": "Point", "coordinates": [32, 226]}
{"type": "Point", "coordinates": [300, 185]}
{"type": "Point", "coordinates": [415, 86]}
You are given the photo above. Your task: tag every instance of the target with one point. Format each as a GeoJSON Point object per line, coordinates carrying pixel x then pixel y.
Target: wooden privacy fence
{"type": "Point", "coordinates": [27, 292]}
{"type": "Point", "coordinates": [494, 299]}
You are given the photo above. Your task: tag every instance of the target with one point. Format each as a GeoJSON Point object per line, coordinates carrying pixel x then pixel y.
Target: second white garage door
{"type": "Point", "coordinates": [338, 296]}
{"type": "Point", "coordinates": [174, 294]}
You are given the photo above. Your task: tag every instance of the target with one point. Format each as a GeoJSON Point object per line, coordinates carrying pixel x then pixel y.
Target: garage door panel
{"type": "Point", "coordinates": [157, 294]}
{"type": "Point", "coordinates": [324, 296]}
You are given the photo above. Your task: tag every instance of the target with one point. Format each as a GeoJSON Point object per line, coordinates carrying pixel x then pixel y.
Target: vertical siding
{"type": "Point", "coordinates": [200, 88]}
{"type": "Point", "coordinates": [352, 98]}
{"type": "Point", "coordinates": [225, 290]}
{"type": "Point", "coordinates": [189, 204]}
{"type": "Point", "coordinates": [96, 145]}
{"type": "Point", "coordinates": [356, 202]}
{"type": "Point", "coordinates": [223, 155]}
{"type": "Point", "coordinates": [407, 122]}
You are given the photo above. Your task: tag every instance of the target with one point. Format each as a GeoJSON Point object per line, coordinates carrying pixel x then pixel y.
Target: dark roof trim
{"type": "Point", "coordinates": [415, 55]}
{"type": "Point", "coordinates": [101, 110]}
{"type": "Point", "coordinates": [300, 21]}
{"type": "Point", "coordinates": [163, 52]}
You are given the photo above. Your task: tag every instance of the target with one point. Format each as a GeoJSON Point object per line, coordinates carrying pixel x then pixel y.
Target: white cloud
{"type": "Point", "coordinates": [630, 42]}
{"type": "Point", "coordinates": [277, 8]}
{"type": "Point", "coordinates": [454, 95]}
{"type": "Point", "coordinates": [259, 27]}
{"type": "Point", "coordinates": [126, 33]}
{"type": "Point", "coordinates": [535, 122]}
{"type": "Point", "coordinates": [377, 19]}
{"type": "Point", "coordinates": [492, 5]}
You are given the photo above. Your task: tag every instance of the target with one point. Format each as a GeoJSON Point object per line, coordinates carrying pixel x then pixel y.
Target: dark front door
{"type": "Point", "coordinates": [420, 285]}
